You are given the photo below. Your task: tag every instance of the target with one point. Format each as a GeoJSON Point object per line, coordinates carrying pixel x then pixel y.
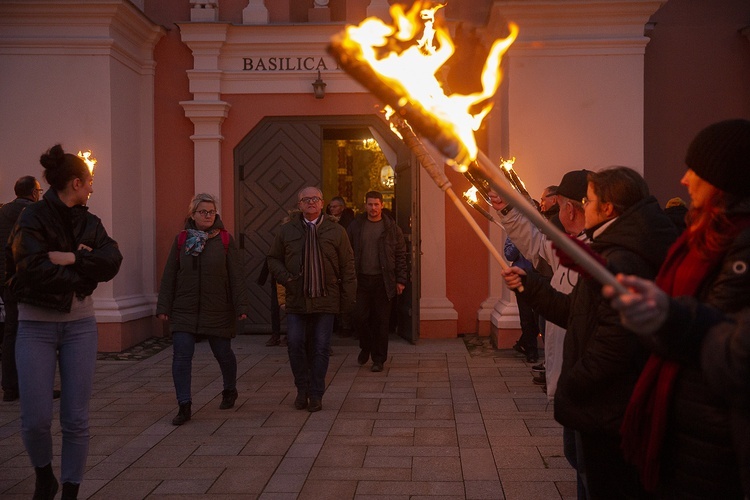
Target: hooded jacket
{"type": "Point", "coordinates": [601, 359]}
{"type": "Point", "coordinates": [204, 294]}
{"type": "Point", "coordinates": [285, 261]}
{"type": "Point", "coordinates": [50, 225]}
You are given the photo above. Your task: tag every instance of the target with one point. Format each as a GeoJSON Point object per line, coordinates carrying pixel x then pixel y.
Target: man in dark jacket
{"type": "Point", "coordinates": [312, 258]}
{"type": "Point", "coordinates": [380, 260]}
{"type": "Point", "coordinates": [27, 191]}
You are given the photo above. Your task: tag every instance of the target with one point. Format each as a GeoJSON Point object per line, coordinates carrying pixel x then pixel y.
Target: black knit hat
{"type": "Point", "coordinates": [720, 155]}
{"type": "Point", "coordinates": [574, 185]}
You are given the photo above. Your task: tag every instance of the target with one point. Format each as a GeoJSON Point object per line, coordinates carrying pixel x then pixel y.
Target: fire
{"type": "Point", "coordinates": [471, 195]}
{"type": "Point", "coordinates": [88, 159]}
{"type": "Point", "coordinates": [410, 72]}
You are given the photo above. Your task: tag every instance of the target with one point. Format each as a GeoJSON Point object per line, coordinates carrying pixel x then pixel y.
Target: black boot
{"type": "Point", "coordinates": [184, 414]}
{"type": "Point", "coordinates": [228, 397]}
{"type": "Point", "coordinates": [46, 483]}
{"type": "Point", "coordinates": [70, 491]}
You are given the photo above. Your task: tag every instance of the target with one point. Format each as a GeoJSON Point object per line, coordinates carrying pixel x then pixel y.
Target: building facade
{"type": "Point", "coordinates": [176, 97]}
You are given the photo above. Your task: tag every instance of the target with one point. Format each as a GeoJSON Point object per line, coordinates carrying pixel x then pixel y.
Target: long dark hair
{"type": "Point", "coordinates": [60, 167]}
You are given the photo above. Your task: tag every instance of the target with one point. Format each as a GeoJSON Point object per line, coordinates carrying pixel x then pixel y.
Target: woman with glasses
{"type": "Point", "coordinates": [60, 252]}
{"type": "Point", "coordinates": [202, 295]}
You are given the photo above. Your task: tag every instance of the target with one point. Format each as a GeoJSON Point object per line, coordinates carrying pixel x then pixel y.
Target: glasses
{"type": "Point", "coordinates": [585, 201]}
{"type": "Point", "coordinates": [206, 213]}
{"type": "Point", "coordinates": [313, 199]}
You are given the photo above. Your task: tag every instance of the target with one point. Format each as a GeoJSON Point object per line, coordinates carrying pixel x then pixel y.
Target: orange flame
{"type": "Point", "coordinates": [414, 69]}
{"type": "Point", "coordinates": [88, 159]}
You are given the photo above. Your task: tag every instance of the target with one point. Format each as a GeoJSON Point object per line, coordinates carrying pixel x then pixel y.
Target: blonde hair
{"type": "Point", "coordinates": [201, 198]}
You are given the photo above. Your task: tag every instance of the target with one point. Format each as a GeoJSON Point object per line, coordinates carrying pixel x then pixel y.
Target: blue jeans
{"type": "Point", "coordinates": [38, 345]}
{"type": "Point", "coordinates": [309, 373]}
{"type": "Point", "coordinates": [183, 345]}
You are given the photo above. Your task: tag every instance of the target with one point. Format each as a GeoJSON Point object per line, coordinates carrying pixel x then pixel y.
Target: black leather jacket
{"type": "Point", "coordinates": [49, 225]}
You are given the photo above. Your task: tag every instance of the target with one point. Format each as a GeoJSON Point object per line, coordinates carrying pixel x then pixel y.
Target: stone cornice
{"type": "Point", "coordinates": [79, 27]}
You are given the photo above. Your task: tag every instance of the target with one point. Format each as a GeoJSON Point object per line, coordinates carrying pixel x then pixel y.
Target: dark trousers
{"type": "Point", "coordinates": [9, 373]}
{"type": "Point", "coordinates": [372, 315]}
{"type": "Point", "coordinates": [608, 475]}
{"type": "Point", "coordinates": [309, 344]}
{"type": "Point", "coordinates": [529, 320]}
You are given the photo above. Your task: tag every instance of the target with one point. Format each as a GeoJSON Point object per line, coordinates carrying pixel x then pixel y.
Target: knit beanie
{"type": "Point", "coordinates": [574, 185]}
{"type": "Point", "coordinates": [720, 155]}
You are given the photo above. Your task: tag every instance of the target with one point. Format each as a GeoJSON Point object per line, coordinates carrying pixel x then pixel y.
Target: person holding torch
{"type": "Point", "coordinates": [58, 253]}
{"type": "Point", "coordinates": [601, 358]}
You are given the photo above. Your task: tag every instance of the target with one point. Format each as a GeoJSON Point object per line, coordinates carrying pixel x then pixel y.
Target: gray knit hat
{"type": "Point", "coordinates": [720, 155]}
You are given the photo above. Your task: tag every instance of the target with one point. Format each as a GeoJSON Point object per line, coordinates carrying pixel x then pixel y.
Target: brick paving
{"type": "Point", "coordinates": [446, 419]}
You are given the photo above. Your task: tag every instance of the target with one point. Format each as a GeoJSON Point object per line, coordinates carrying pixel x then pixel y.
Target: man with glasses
{"type": "Point", "coordinates": [28, 190]}
{"type": "Point", "coordinates": [312, 258]}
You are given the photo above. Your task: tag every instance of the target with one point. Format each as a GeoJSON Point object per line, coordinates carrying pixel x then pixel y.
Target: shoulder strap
{"type": "Point", "coordinates": [181, 242]}
{"type": "Point", "coordinates": [225, 239]}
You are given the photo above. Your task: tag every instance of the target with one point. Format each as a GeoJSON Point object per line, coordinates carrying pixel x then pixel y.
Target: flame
{"type": "Point", "coordinates": [471, 195]}
{"type": "Point", "coordinates": [507, 165]}
{"type": "Point", "coordinates": [413, 69]}
{"type": "Point", "coordinates": [88, 159]}
{"type": "Point", "coordinates": [387, 113]}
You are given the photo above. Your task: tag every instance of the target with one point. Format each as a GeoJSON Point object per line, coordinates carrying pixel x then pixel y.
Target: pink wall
{"type": "Point", "coordinates": [697, 72]}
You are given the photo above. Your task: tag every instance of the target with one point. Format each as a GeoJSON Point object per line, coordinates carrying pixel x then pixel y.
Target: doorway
{"type": "Point", "coordinates": [346, 156]}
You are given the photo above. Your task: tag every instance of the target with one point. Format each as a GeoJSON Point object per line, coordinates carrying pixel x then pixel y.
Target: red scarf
{"type": "Point", "coordinates": [645, 419]}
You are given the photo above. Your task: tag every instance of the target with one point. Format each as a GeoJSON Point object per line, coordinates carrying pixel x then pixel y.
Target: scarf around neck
{"type": "Point", "coordinates": [314, 278]}
{"type": "Point", "coordinates": [196, 240]}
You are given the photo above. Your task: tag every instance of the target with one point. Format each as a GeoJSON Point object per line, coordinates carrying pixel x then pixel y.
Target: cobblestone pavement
{"type": "Point", "coordinates": [446, 419]}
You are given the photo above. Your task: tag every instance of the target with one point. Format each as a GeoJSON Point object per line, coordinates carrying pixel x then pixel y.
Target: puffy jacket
{"type": "Point", "coordinates": [391, 251]}
{"type": "Point", "coordinates": [286, 257]}
{"type": "Point", "coordinates": [707, 446]}
{"type": "Point", "coordinates": [601, 359]}
{"type": "Point", "coordinates": [49, 225]}
{"type": "Point", "coordinates": [204, 294]}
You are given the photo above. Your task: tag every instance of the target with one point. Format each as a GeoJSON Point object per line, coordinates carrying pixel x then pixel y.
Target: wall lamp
{"type": "Point", "coordinates": [319, 87]}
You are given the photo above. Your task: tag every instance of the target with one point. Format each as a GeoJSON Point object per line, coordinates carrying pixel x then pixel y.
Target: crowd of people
{"type": "Point", "coordinates": [650, 381]}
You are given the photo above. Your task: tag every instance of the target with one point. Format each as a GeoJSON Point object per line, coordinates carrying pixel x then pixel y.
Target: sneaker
{"type": "Point", "coordinates": [228, 398]}
{"type": "Point", "coordinates": [376, 367]}
{"type": "Point", "coordinates": [363, 357]}
{"type": "Point", "coordinates": [539, 367]}
{"type": "Point", "coordinates": [300, 402]}
{"type": "Point", "coordinates": [519, 348]}
{"type": "Point", "coordinates": [316, 404]}
{"type": "Point", "coordinates": [532, 355]}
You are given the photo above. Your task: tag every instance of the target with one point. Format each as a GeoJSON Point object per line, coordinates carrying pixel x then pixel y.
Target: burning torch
{"type": "Point", "coordinates": [387, 61]}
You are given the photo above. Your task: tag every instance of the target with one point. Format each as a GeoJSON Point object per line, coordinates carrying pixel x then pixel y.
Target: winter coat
{"type": "Point", "coordinates": [8, 216]}
{"type": "Point", "coordinates": [391, 251]}
{"type": "Point", "coordinates": [286, 258]}
{"type": "Point", "coordinates": [601, 359]}
{"type": "Point", "coordinates": [206, 293]}
{"type": "Point", "coordinates": [50, 225]}
{"type": "Point", "coordinates": [707, 446]}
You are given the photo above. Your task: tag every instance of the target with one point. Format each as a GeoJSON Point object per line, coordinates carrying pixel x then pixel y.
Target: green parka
{"type": "Point", "coordinates": [285, 261]}
{"type": "Point", "coordinates": [204, 294]}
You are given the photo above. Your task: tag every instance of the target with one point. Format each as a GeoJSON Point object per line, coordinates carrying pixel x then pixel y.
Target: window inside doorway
{"type": "Point", "coordinates": [353, 164]}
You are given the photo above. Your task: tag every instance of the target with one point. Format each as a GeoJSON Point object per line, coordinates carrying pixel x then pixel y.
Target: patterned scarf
{"type": "Point", "coordinates": [196, 240]}
{"type": "Point", "coordinates": [315, 283]}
